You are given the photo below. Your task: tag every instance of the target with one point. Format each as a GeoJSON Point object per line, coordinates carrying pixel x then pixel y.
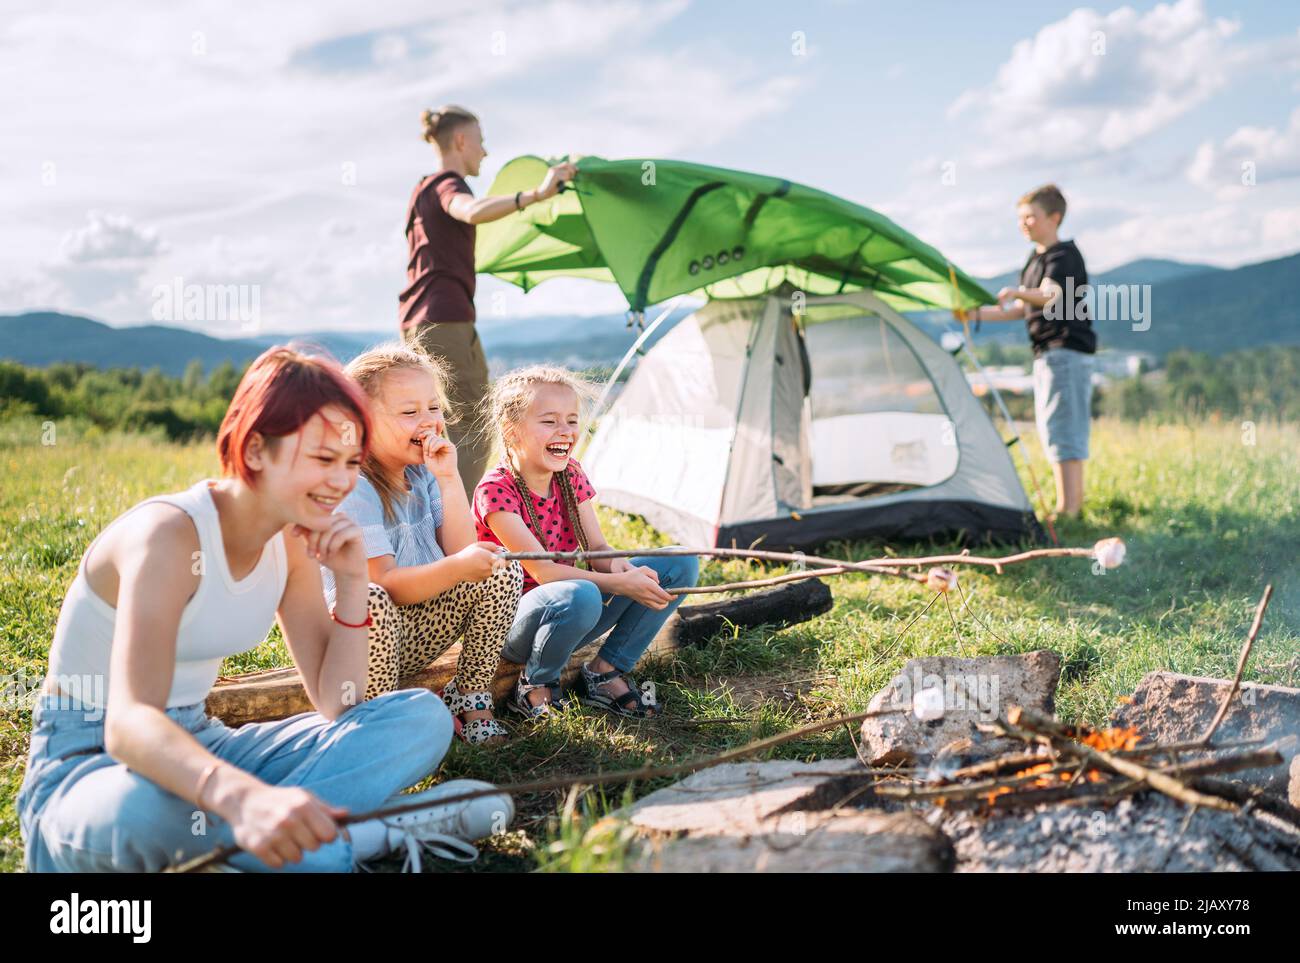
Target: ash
{"type": "Point", "coordinates": [1148, 832]}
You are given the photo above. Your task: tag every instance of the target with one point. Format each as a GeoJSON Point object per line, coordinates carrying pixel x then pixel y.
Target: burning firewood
{"type": "Point", "coordinates": [1079, 764]}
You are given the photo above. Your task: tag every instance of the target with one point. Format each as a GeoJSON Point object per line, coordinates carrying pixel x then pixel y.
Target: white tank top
{"type": "Point", "coordinates": [223, 618]}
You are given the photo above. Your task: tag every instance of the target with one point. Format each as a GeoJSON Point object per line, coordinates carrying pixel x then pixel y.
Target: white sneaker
{"type": "Point", "coordinates": [442, 830]}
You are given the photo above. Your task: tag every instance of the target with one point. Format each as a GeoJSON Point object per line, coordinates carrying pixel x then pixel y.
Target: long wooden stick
{"type": "Point", "coordinates": [1268, 756]}
{"type": "Point", "coordinates": [875, 566]}
{"type": "Point", "coordinates": [758, 582]}
{"type": "Point", "coordinates": [992, 767]}
{"type": "Point", "coordinates": [1241, 663]}
{"type": "Point", "coordinates": [1192, 745]}
{"type": "Point", "coordinates": [822, 566]}
{"type": "Point", "coordinates": [789, 558]}
{"type": "Point", "coordinates": [222, 853]}
{"type": "Point", "coordinates": [966, 790]}
{"type": "Point", "coordinates": [1250, 795]}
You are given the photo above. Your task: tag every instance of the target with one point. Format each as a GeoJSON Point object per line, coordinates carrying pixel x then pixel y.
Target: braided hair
{"type": "Point", "coordinates": [509, 402]}
{"type": "Point", "coordinates": [570, 505]}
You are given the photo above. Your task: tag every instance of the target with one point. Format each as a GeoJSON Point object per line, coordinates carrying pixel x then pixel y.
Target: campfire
{"type": "Point", "coordinates": [1085, 766]}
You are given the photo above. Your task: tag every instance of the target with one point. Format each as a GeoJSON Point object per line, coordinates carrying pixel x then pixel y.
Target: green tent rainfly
{"type": "Point", "coordinates": [660, 228]}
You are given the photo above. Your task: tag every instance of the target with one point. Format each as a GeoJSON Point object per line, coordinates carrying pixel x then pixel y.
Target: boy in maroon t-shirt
{"type": "Point", "coordinates": [437, 306]}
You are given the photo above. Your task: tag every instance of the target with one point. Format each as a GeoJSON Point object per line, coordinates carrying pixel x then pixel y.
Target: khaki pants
{"type": "Point", "coordinates": [458, 345]}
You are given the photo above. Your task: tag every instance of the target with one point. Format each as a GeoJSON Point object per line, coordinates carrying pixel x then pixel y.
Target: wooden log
{"type": "Point", "coordinates": [789, 604]}
{"type": "Point", "coordinates": [278, 693]}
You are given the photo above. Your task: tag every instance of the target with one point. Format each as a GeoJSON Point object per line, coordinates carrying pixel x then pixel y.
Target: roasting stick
{"type": "Point", "coordinates": [1104, 550]}
{"type": "Point", "coordinates": [222, 853]}
{"type": "Point", "coordinates": [758, 582]}
{"type": "Point", "coordinates": [1241, 663]}
{"type": "Point", "coordinates": [824, 566]}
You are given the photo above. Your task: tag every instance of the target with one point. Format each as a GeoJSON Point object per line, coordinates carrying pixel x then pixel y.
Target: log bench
{"type": "Point", "coordinates": [278, 693]}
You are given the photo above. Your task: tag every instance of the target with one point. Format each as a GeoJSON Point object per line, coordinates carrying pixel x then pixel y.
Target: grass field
{"type": "Point", "coordinates": [1209, 512]}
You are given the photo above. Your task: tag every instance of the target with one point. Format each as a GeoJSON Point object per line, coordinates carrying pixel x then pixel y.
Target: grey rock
{"type": "Point", "coordinates": [975, 690]}
{"type": "Point", "coordinates": [778, 816]}
{"type": "Point", "coordinates": [1170, 707]}
{"type": "Point", "coordinates": [843, 841]}
{"type": "Point", "coordinates": [737, 798]}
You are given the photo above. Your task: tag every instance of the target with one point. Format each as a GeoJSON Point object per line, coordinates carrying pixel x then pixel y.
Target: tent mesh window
{"type": "Point", "coordinates": [878, 425]}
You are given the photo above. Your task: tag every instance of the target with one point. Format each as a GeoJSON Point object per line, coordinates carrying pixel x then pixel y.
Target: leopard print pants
{"type": "Point", "coordinates": [406, 638]}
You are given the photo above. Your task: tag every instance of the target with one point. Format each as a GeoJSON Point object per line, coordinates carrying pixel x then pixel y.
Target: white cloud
{"type": "Point", "coordinates": [110, 237]}
{"type": "Point", "coordinates": [278, 146]}
{"type": "Point", "coordinates": [235, 131]}
{"type": "Point", "coordinates": [389, 48]}
{"type": "Point", "coordinates": [1226, 234]}
{"type": "Point", "coordinates": [97, 266]}
{"type": "Point", "coordinates": [658, 105]}
{"type": "Point", "coordinates": [978, 230]}
{"type": "Point", "coordinates": [1250, 157]}
{"type": "Point", "coordinates": [1097, 83]}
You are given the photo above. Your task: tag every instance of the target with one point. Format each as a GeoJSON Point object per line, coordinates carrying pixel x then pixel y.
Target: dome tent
{"type": "Point", "coordinates": [747, 423]}
{"type": "Point", "coordinates": [797, 405]}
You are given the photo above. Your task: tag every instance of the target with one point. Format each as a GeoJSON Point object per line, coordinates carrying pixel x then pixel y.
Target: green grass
{"type": "Point", "coordinates": [1208, 520]}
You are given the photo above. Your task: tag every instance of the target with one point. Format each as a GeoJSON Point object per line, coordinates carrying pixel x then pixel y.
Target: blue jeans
{"type": "Point", "coordinates": [556, 619]}
{"type": "Point", "coordinates": [1063, 403]}
{"type": "Point", "coordinates": [82, 811]}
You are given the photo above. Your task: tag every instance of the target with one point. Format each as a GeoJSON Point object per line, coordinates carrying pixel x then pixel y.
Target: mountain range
{"type": "Point", "coordinates": [1192, 306]}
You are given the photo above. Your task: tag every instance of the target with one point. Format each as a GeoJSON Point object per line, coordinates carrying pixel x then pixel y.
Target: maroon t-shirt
{"type": "Point", "coordinates": [440, 268]}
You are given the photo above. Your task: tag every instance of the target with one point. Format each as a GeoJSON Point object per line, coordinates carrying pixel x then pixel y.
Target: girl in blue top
{"type": "Point", "coordinates": [431, 583]}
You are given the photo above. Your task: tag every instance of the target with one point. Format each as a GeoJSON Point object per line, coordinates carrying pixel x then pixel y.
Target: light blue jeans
{"type": "Point", "coordinates": [82, 811]}
{"type": "Point", "coordinates": [558, 618]}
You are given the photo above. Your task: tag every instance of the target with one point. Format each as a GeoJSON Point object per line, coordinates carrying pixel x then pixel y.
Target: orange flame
{"type": "Point", "coordinates": [1105, 740]}
{"type": "Point", "coordinates": [1113, 740]}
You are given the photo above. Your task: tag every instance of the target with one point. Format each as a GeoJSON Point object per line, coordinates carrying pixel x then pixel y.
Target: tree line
{"type": "Point", "coordinates": [1256, 384]}
{"type": "Point", "coordinates": [1259, 383]}
{"type": "Point", "coordinates": [123, 399]}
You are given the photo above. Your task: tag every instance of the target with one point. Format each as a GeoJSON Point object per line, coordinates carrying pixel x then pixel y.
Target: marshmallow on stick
{"type": "Point", "coordinates": [1110, 552]}
{"type": "Point", "coordinates": [941, 579]}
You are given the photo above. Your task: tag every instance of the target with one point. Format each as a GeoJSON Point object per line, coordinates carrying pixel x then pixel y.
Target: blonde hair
{"type": "Point", "coordinates": [1048, 197]}
{"type": "Point", "coordinates": [511, 396]}
{"type": "Point", "coordinates": [369, 370]}
{"type": "Point", "coordinates": [441, 124]}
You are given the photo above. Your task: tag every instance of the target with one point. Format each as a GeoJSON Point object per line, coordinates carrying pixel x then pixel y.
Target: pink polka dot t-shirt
{"type": "Point", "coordinates": [497, 492]}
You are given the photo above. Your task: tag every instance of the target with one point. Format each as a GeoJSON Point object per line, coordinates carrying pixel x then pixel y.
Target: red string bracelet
{"type": "Point", "coordinates": [349, 625]}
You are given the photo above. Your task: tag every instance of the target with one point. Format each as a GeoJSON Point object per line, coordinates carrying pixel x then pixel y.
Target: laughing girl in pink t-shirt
{"type": "Point", "coordinates": [539, 500]}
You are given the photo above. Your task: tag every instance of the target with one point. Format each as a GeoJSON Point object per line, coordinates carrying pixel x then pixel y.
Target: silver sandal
{"type": "Point", "coordinates": [559, 698]}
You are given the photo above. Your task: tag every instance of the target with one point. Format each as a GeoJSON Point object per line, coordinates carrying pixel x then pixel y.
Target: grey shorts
{"type": "Point", "coordinates": [1062, 402]}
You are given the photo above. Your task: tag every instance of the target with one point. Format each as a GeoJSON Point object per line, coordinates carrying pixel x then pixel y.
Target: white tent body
{"type": "Point", "coordinates": [737, 428]}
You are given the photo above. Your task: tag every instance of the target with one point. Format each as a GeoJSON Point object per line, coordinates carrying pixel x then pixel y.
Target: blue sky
{"type": "Point", "coordinates": [277, 145]}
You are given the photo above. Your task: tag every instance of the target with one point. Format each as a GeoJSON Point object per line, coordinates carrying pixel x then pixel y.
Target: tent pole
{"type": "Point", "coordinates": [584, 436]}
{"type": "Point", "coordinates": [969, 351]}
